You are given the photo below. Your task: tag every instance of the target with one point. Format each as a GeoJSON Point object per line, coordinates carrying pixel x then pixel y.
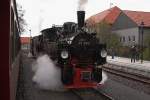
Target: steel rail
{"type": "Point", "coordinates": [91, 94]}
{"type": "Point", "coordinates": [133, 76]}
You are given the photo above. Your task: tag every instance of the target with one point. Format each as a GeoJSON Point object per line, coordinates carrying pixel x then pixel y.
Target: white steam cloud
{"type": "Point", "coordinates": [104, 78]}
{"type": "Point", "coordinates": [47, 75]}
{"type": "Point", "coordinates": [81, 5]}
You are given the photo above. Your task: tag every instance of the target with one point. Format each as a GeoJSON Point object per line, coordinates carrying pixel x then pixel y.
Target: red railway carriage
{"type": "Point", "coordinates": [14, 50]}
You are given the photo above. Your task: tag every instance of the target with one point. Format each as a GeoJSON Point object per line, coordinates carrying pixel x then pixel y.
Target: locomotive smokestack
{"type": "Point", "coordinates": [80, 16]}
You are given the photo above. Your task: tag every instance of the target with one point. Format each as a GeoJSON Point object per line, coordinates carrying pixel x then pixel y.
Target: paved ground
{"type": "Point", "coordinates": [127, 62]}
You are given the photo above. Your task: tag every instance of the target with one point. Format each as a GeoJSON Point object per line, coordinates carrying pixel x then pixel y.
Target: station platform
{"type": "Point", "coordinates": [125, 64]}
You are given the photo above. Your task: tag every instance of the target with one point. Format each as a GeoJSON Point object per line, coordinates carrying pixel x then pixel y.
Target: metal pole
{"type": "Point", "coordinates": [30, 39]}
{"type": "Point", "coordinates": [142, 31]}
{"type": "Point", "coordinates": [29, 54]}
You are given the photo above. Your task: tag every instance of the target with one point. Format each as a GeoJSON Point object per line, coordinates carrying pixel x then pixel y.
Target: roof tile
{"type": "Point", "coordinates": [138, 17]}
{"type": "Point", "coordinates": [110, 15]}
{"type": "Point", "coordinates": [25, 40]}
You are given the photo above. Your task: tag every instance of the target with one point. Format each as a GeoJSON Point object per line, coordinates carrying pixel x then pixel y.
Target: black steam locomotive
{"type": "Point", "coordinates": [77, 51]}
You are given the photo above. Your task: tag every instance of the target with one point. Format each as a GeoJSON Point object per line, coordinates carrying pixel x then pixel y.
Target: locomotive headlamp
{"type": "Point", "coordinates": [103, 53]}
{"type": "Point", "coordinates": [64, 54]}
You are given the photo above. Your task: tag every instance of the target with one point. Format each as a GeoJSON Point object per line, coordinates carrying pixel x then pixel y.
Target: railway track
{"type": "Point", "coordinates": [91, 94]}
{"type": "Point", "coordinates": [129, 75]}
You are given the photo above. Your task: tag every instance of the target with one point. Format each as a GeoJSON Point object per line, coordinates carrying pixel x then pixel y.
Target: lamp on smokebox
{"type": "Point", "coordinates": [142, 31]}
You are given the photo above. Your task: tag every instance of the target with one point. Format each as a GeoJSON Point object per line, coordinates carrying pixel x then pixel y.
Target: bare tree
{"type": "Point", "coordinates": [105, 35]}
{"type": "Point", "coordinates": [21, 19]}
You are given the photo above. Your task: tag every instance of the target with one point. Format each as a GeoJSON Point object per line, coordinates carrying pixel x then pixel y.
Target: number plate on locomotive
{"type": "Point", "coordinates": [86, 76]}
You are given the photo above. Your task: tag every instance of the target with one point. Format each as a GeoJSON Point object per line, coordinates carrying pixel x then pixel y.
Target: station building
{"type": "Point", "coordinates": [125, 23]}
{"type": "Point", "coordinates": [25, 43]}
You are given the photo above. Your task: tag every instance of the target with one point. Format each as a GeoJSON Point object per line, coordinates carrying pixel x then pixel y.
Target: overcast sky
{"type": "Point", "coordinates": [40, 14]}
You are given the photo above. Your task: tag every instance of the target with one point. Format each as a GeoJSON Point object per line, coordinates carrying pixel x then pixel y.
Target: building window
{"type": "Point", "coordinates": [120, 39]}
{"type": "Point", "coordinates": [133, 37]}
{"type": "Point", "coordinates": [129, 38]}
{"type": "Point", "coordinates": [124, 39]}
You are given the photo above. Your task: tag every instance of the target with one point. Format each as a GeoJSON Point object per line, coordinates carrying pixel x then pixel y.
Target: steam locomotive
{"type": "Point", "coordinates": [77, 51]}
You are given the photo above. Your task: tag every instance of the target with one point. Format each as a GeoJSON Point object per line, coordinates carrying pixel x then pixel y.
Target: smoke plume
{"type": "Point", "coordinates": [81, 5]}
{"type": "Point", "coordinates": [47, 76]}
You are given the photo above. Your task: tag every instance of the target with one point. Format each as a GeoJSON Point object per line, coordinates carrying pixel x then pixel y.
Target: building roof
{"type": "Point", "coordinates": [138, 17]}
{"type": "Point", "coordinates": [110, 15]}
{"type": "Point", "coordinates": [25, 40]}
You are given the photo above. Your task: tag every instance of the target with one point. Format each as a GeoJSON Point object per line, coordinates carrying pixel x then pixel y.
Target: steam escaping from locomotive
{"type": "Point", "coordinates": [81, 5]}
{"type": "Point", "coordinates": [104, 78]}
{"type": "Point", "coordinates": [47, 76]}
